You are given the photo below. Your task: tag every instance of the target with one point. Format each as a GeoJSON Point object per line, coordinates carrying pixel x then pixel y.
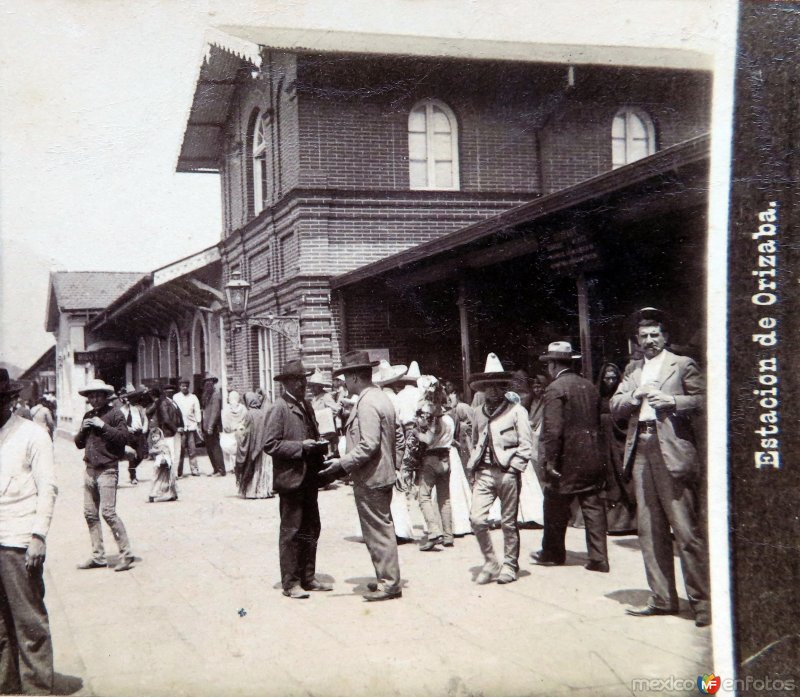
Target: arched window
{"type": "Point", "coordinates": [156, 357]}
{"type": "Point", "coordinates": [260, 140]}
{"type": "Point", "coordinates": [199, 343]}
{"type": "Point", "coordinates": [432, 146]}
{"type": "Point", "coordinates": [174, 354]}
{"type": "Point", "coordinates": [141, 361]}
{"type": "Point", "coordinates": [632, 137]}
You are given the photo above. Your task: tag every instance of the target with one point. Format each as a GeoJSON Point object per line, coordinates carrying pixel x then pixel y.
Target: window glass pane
{"type": "Point", "coordinates": [636, 128]}
{"type": "Point", "coordinates": [416, 120]}
{"type": "Point", "coordinates": [617, 152]}
{"type": "Point", "coordinates": [444, 175]}
{"type": "Point", "coordinates": [417, 146]}
{"type": "Point", "coordinates": [441, 124]}
{"type": "Point", "coordinates": [442, 146]}
{"type": "Point", "coordinates": [618, 127]}
{"type": "Point", "coordinates": [637, 149]}
{"type": "Point", "coordinates": [418, 174]}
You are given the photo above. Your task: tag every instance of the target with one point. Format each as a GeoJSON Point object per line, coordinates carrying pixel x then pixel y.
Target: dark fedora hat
{"type": "Point", "coordinates": [8, 386]}
{"type": "Point", "coordinates": [294, 369]}
{"type": "Point", "coordinates": [355, 360]}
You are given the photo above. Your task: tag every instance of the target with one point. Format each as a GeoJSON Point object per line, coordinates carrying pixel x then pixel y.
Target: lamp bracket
{"type": "Point", "coordinates": [286, 325]}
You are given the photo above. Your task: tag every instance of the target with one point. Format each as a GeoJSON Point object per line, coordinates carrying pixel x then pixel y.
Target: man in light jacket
{"type": "Point", "coordinates": [501, 439]}
{"type": "Point", "coordinates": [372, 436]}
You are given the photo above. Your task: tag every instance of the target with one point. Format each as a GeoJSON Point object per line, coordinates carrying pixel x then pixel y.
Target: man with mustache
{"type": "Point", "coordinates": [659, 395]}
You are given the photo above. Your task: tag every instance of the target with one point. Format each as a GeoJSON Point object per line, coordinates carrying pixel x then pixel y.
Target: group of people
{"type": "Point", "coordinates": [406, 436]}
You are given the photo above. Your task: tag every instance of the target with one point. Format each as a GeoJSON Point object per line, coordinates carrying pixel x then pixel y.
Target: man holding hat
{"type": "Point", "coordinates": [212, 423]}
{"type": "Point", "coordinates": [569, 454]}
{"type": "Point", "coordinates": [659, 395]}
{"type": "Point", "coordinates": [192, 416]}
{"type": "Point", "coordinates": [372, 437]}
{"type": "Point", "coordinates": [501, 441]}
{"type": "Point", "coordinates": [28, 487]}
{"type": "Point", "coordinates": [102, 437]}
{"type": "Point", "coordinates": [292, 439]}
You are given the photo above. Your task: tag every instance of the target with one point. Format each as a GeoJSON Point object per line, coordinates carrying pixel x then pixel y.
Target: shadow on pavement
{"type": "Point", "coordinates": [66, 684]}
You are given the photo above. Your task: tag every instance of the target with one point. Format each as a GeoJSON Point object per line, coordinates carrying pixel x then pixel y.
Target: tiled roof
{"type": "Point", "coordinates": [91, 290]}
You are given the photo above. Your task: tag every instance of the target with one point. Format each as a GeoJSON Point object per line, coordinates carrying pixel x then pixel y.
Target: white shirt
{"type": "Point", "coordinates": [190, 409]}
{"type": "Point", "coordinates": [136, 416]}
{"type": "Point", "coordinates": [650, 373]}
{"type": "Point", "coordinates": [27, 482]}
{"type": "Point", "coordinates": [407, 400]}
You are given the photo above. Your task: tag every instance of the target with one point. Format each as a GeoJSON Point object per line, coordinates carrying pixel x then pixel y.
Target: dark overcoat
{"type": "Point", "coordinates": [569, 438]}
{"type": "Point", "coordinates": [288, 425]}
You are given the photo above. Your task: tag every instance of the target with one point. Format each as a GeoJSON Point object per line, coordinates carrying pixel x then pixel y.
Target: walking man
{"type": "Point", "coordinates": [192, 416]}
{"type": "Point", "coordinates": [501, 439]}
{"type": "Point", "coordinates": [28, 487]}
{"type": "Point", "coordinates": [212, 423]}
{"type": "Point", "coordinates": [102, 437]}
{"type": "Point", "coordinates": [137, 423]}
{"type": "Point", "coordinates": [570, 456]}
{"type": "Point", "coordinates": [659, 395]}
{"type": "Point", "coordinates": [292, 439]}
{"type": "Point", "coordinates": [372, 437]}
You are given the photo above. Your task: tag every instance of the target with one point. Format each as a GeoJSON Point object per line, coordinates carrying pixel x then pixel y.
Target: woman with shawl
{"type": "Point", "coordinates": [620, 496]}
{"type": "Point", "coordinates": [253, 465]}
{"type": "Point", "coordinates": [165, 481]}
{"type": "Point", "coordinates": [233, 414]}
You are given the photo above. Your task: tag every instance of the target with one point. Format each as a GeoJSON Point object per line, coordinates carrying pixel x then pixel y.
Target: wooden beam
{"type": "Point", "coordinates": [463, 319]}
{"type": "Point", "coordinates": [217, 294]}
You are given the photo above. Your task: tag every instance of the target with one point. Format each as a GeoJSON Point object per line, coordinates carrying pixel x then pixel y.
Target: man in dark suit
{"type": "Point", "coordinates": [372, 436]}
{"type": "Point", "coordinates": [292, 439]}
{"type": "Point", "coordinates": [212, 423]}
{"type": "Point", "coordinates": [569, 452]}
{"type": "Point", "coordinates": [659, 395]}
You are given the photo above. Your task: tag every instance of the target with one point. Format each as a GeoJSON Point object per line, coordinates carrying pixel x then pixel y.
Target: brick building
{"type": "Point", "coordinates": [332, 160]}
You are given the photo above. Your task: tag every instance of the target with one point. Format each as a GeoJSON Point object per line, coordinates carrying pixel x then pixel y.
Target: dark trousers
{"type": "Point", "coordinates": [556, 519]}
{"type": "Point", "coordinates": [26, 650]}
{"type": "Point", "coordinates": [665, 502]}
{"type": "Point", "coordinates": [300, 528]}
{"type": "Point", "coordinates": [377, 528]}
{"type": "Point", "coordinates": [215, 452]}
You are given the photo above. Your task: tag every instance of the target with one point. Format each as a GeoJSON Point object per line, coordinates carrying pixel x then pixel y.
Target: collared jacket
{"type": "Point", "coordinates": [212, 412]}
{"type": "Point", "coordinates": [680, 377]}
{"type": "Point", "coordinates": [569, 440]}
{"type": "Point", "coordinates": [106, 446]}
{"type": "Point", "coordinates": [289, 423]}
{"type": "Point", "coordinates": [373, 436]}
{"type": "Point", "coordinates": [511, 436]}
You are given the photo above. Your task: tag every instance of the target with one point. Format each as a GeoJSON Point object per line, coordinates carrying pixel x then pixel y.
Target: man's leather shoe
{"type": "Point", "coordinates": [295, 592]}
{"type": "Point", "coordinates": [702, 619]}
{"type": "Point", "coordinates": [92, 564]}
{"type": "Point", "coordinates": [487, 575]}
{"type": "Point", "coordinates": [124, 564]}
{"type": "Point", "coordinates": [318, 586]}
{"type": "Point", "coordinates": [507, 576]}
{"type": "Point", "coordinates": [542, 559]}
{"type": "Point", "coordinates": [376, 595]}
{"type": "Point", "coordinates": [430, 545]}
{"type": "Point", "coordinates": [448, 543]}
{"type": "Point", "coordinates": [649, 611]}
{"type": "Point", "coordinates": [595, 565]}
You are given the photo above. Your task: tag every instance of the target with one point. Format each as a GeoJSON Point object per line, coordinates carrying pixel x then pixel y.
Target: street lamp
{"type": "Point", "coordinates": [237, 290]}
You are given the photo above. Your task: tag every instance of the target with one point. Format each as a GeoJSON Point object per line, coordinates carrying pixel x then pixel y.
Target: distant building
{"type": "Point", "coordinates": [40, 377]}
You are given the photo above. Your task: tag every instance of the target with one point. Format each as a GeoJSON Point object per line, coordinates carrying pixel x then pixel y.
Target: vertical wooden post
{"type": "Point", "coordinates": [463, 318]}
{"type": "Point", "coordinates": [583, 324]}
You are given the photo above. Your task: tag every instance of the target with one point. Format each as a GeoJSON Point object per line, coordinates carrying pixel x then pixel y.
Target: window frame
{"type": "Point", "coordinates": [649, 127]}
{"type": "Point", "coordinates": [429, 105]}
{"type": "Point", "coordinates": [259, 154]}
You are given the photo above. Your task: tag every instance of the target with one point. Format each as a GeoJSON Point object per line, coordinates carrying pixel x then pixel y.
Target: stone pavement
{"type": "Point", "coordinates": [201, 612]}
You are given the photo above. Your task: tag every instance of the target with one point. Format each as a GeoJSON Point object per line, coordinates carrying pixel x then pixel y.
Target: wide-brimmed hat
{"type": "Point", "coordinates": [96, 385]}
{"type": "Point", "coordinates": [210, 376]}
{"type": "Point", "coordinates": [386, 374]}
{"type": "Point", "coordinates": [493, 374]}
{"type": "Point", "coordinates": [171, 387]}
{"type": "Point", "coordinates": [355, 360]}
{"type": "Point", "coordinates": [412, 374]}
{"type": "Point", "coordinates": [319, 379]}
{"type": "Point", "coordinates": [294, 369]}
{"type": "Point", "coordinates": [559, 351]}
{"type": "Point", "coordinates": [130, 391]}
{"type": "Point", "coordinates": [7, 385]}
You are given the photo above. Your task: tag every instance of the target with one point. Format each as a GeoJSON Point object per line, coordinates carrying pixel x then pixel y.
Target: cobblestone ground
{"type": "Point", "coordinates": [201, 612]}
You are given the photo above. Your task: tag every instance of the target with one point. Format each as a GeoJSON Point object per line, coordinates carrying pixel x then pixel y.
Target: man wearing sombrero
{"type": "Point", "coordinates": [292, 439]}
{"type": "Point", "coordinates": [372, 437]}
{"type": "Point", "coordinates": [569, 454]}
{"type": "Point", "coordinates": [501, 440]}
{"type": "Point", "coordinates": [102, 437]}
{"type": "Point", "coordinates": [28, 487]}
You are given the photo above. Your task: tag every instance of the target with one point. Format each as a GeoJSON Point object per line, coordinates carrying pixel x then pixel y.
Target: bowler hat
{"type": "Point", "coordinates": [386, 374]}
{"type": "Point", "coordinates": [559, 351]}
{"type": "Point", "coordinates": [96, 385]}
{"type": "Point", "coordinates": [355, 360]}
{"type": "Point", "coordinates": [294, 369]}
{"type": "Point", "coordinates": [493, 374]}
{"type": "Point", "coordinates": [8, 386]}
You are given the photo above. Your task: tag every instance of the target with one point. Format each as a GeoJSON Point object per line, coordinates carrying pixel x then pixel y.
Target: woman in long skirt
{"type": "Point", "coordinates": [165, 480]}
{"type": "Point", "coordinates": [253, 465]}
{"type": "Point", "coordinates": [233, 415]}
